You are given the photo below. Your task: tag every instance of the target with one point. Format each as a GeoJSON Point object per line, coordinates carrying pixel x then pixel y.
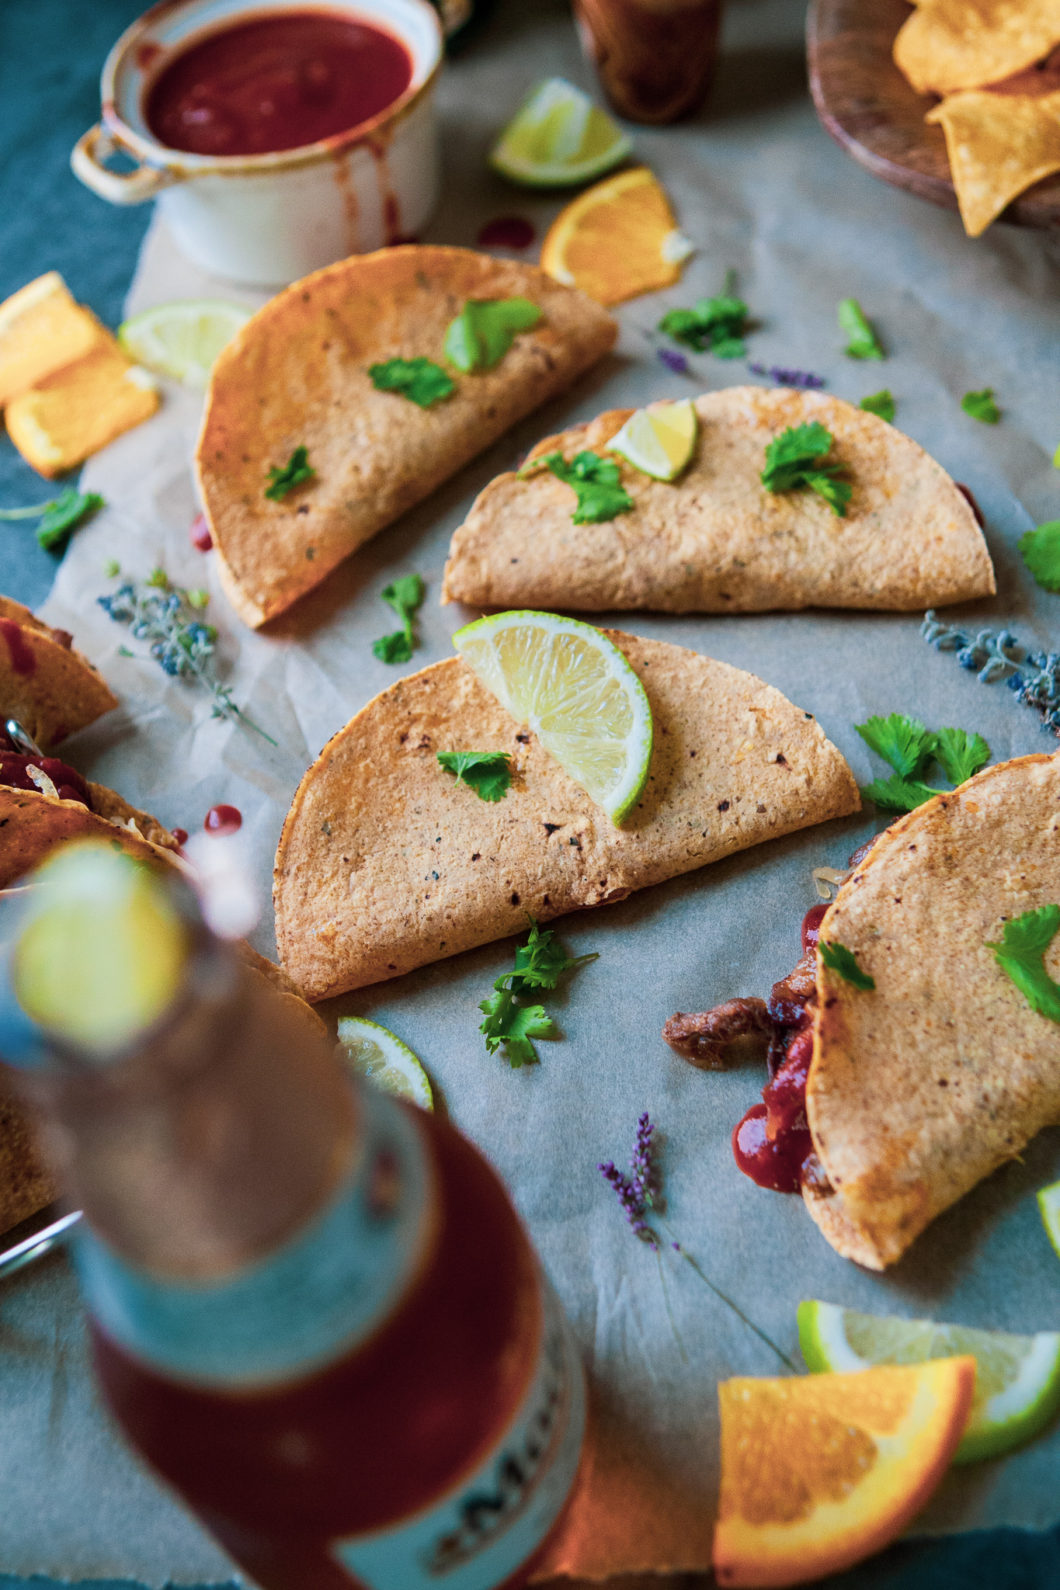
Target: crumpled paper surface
{"type": "Point", "coordinates": [759, 187]}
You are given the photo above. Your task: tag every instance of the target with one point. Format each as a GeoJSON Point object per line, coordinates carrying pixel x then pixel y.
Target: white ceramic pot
{"type": "Point", "coordinates": [265, 220]}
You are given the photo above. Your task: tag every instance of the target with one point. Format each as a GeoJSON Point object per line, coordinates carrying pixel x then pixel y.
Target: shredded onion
{"type": "Point", "coordinates": [827, 879]}
{"type": "Point", "coordinates": [42, 781]}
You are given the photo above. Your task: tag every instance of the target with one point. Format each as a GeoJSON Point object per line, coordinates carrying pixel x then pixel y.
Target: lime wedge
{"type": "Point", "coordinates": [375, 1053]}
{"type": "Point", "coordinates": [660, 439]}
{"type": "Point", "coordinates": [1017, 1387]}
{"type": "Point", "coordinates": [182, 339]}
{"type": "Point", "coordinates": [557, 138]}
{"type": "Point", "coordinates": [1049, 1204]}
{"type": "Point", "coordinates": [576, 691]}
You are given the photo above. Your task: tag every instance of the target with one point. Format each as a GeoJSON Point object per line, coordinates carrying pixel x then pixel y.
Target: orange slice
{"type": "Point", "coordinates": [617, 239]}
{"type": "Point", "coordinates": [817, 1473]}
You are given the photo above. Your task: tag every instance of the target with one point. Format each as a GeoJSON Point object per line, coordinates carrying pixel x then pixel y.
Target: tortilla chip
{"type": "Point", "coordinates": [947, 45]}
{"type": "Point", "coordinates": [923, 1086]}
{"type": "Point", "coordinates": [32, 824]}
{"type": "Point", "coordinates": [77, 410]}
{"type": "Point", "coordinates": [998, 144]}
{"type": "Point", "coordinates": [716, 541]}
{"type": "Point", "coordinates": [51, 689]}
{"type": "Point", "coordinates": [385, 863]}
{"type": "Point", "coordinates": [42, 329]}
{"type": "Point", "coordinates": [297, 376]}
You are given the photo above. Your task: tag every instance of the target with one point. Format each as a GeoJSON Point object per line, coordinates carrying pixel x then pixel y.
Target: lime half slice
{"type": "Point", "coordinates": [375, 1053]}
{"type": "Point", "coordinates": [557, 138]}
{"type": "Point", "coordinates": [182, 339]}
{"type": "Point", "coordinates": [1017, 1386]}
{"type": "Point", "coordinates": [576, 691]}
{"type": "Point", "coordinates": [660, 439]}
{"type": "Point", "coordinates": [1049, 1204]}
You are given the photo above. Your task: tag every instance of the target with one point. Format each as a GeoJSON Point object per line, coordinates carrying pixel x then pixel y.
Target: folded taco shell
{"type": "Point", "coordinates": [50, 688]}
{"type": "Point", "coordinates": [924, 1085]}
{"type": "Point", "coordinates": [715, 540]}
{"type": "Point", "coordinates": [32, 824]}
{"type": "Point", "coordinates": [297, 376]}
{"type": "Point", "coordinates": [386, 863]}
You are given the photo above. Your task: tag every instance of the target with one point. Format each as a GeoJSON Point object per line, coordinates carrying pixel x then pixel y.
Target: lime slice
{"type": "Point", "coordinates": [1017, 1387]}
{"type": "Point", "coordinates": [557, 138]}
{"type": "Point", "coordinates": [576, 691]}
{"type": "Point", "coordinates": [1049, 1204]}
{"type": "Point", "coordinates": [660, 439]}
{"type": "Point", "coordinates": [375, 1053]}
{"type": "Point", "coordinates": [182, 339]}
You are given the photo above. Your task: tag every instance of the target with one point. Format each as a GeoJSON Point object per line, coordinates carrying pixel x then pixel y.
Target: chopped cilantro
{"type": "Point", "coordinates": [485, 329]}
{"type": "Point", "coordinates": [960, 754]}
{"type": "Point", "coordinates": [839, 959]}
{"type": "Point", "coordinates": [596, 481]}
{"type": "Point", "coordinates": [542, 960]}
{"type": "Point", "coordinates": [795, 459]}
{"type": "Point", "coordinates": [1041, 554]}
{"type": "Point", "coordinates": [863, 342]}
{"type": "Point", "coordinates": [881, 403]}
{"type": "Point", "coordinates": [903, 742]}
{"type": "Point", "coordinates": [981, 406]}
{"type": "Point", "coordinates": [295, 472]}
{"type": "Point", "coordinates": [420, 380]}
{"type": "Point", "coordinates": [898, 794]}
{"type": "Point", "coordinates": [405, 596]}
{"type": "Point", "coordinates": [910, 749]}
{"type": "Point", "coordinates": [539, 963]}
{"type": "Point", "coordinates": [1021, 956]}
{"type": "Point", "coordinates": [488, 773]}
{"type": "Point", "coordinates": [717, 323]}
{"type": "Point", "coordinates": [59, 516]}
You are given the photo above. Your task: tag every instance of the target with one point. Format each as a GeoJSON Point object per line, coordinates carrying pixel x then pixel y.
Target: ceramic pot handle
{"type": "Point", "coordinates": [119, 187]}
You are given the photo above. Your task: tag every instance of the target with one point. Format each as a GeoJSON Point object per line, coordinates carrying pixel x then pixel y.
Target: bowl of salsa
{"type": "Point", "coordinates": [276, 136]}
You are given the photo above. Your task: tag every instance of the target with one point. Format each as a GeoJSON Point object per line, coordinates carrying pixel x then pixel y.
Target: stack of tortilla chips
{"type": "Point", "coordinates": [995, 65]}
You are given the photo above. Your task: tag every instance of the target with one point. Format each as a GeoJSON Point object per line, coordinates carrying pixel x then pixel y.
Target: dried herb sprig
{"type": "Point", "coordinates": [992, 654]}
{"type": "Point", "coordinates": [805, 380]}
{"type": "Point", "coordinates": [181, 644]}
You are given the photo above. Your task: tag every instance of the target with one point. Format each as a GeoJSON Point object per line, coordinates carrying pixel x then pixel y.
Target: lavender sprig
{"type": "Point", "coordinates": [640, 1195]}
{"type": "Point", "coordinates": [673, 361]}
{"type": "Point", "coordinates": [181, 643]}
{"type": "Point", "coordinates": [806, 379]}
{"type": "Point", "coordinates": [992, 654]}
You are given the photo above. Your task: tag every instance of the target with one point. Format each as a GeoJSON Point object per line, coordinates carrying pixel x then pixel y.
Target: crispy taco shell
{"type": "Point", "coordinates": [716, 541]}
{"type": "Point", "coordinates": [385, 863]}
{"type": "Point", "coordinates": [32, 824]}
{"type": "Point", "coordinates": [50, 688]}
{"type": "Point", "coordinates": [297, 375]}
{"type": "Point", "coordinates": [920, 1088]}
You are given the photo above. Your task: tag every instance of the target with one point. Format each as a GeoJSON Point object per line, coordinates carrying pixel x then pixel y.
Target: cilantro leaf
{"type": "Point", "coordinates": [542, 960]}
{"type": "Point", "coordinates": [488, 773]}
{"type": "Point", "coordinates": [596, 482]}
{"type": "Point", "coordinates": [717, 323]}
{"type": "Point", "coordinates": [898, 794]}
{"type": "Point", "coordinates": [981, 406]}
{"type": "Point", "coordinates": [795, 458]}
{"type": "Point", "coordinates": [1021, 956]}
{"type": "Point", "coordinates": [420, 380]}
{"type": "Point", "coordinates": [960, 754]}
{"type": "Point", "coordinates": [405, 596]}
{"type": "Point", "coordinates": [863, 342]}
{"type": "Point", "coordinates": [881, 403]}
{"type": "Point", "coordinates": [294, 473]}
{"type": "Point", "coordinates": [485, 329]}
{"type": "Point", "coordinates": [839, 959]}
{"type": "Point", "coordinates": [513, 1026]}
{"type": "Point", "coordinates": [59, 516]}
{"type": "Point", "coordinates": [1041, 554]}
{"type": "Point", "coordinates": [904, 743]}
{"type": "Point", "coordinates": [395, 648]}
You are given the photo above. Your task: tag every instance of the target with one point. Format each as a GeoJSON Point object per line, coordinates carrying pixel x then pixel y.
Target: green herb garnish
{"type": "Point", "coordinates": [485, 329]}
{"type": "Point", "coordinates": [405, 596]}
{"type": "Point", "coordinates": [981, 406]}
{"type": "Point", "coordinates": [59, 516]}
{"type": "Point", "coordinates": [863, 342]}
{"type": "Point", "coordinates": [881, 403]}
{"type": "Point", "coordinates": [1041, 554]}
{"type": "Point", "coordinates": [1021, 956]}
{"type": "Point", "coordinates": [911, 748]}
{"type": "Point", "coordinates": [839, 959]}
{"type": "Point", "coordinates": [420, 380]}
{"type": "Point", "coordinates": [795, 459]}
{"type": "Point", "coordinates": [488, 773]}
{"type": "Point", "coordinates": [596, 481]}
{"type": "Point", "coordinates": [960, 754]}
{"type": "Point", "coordinates": [295, 472]}
{"type": "Point", "coordinates": [903, 742]}
{"type": "Point", "coordinates": [717, 323]}
{"type": "Point", "coordinates": [539, 963]}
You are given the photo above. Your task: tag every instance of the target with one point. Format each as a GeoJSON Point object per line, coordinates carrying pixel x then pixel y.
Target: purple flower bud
{"type": "Point", "coordinates": [673, 361]}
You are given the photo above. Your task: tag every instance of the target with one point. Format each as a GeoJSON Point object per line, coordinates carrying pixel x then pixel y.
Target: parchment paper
{"type": "Point", "coordinates": [760, 188]}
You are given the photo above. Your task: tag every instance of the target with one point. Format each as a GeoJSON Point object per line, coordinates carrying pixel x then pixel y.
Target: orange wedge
{"type": "Point", "coordinates": [617, 239]}
{"type": "Point", "coordinates": [817, 1473]}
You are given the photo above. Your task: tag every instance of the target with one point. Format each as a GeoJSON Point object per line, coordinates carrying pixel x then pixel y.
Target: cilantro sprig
{"type": "Point", "coordinates": [405, 596]}
{"type": "Point", "coordinates": [1021, 956]}
{"type": "Point", "coordinates": [59, 516]}
{"type": "Point", "coordinates": [881, 403]}
{"type": "Point", "coordinates": [295, 472]}
{"type": "Point", "coordinates": [839, 959]}
{"type": "Point", "coordinates": [485, 329]}
{"type": "Point", "coordinates": [420, 380]}
{"type": "Point", "coordinates": [596, 482]}
{"type": "Point", "coordinates": [795, 459]}
{"type": "Point", "coordinates": [488, 773]}
{"type": "Point", "coordinates": [510, 1024]}
{"type": "Point", "coordinates": [981, 406]}
{"type": "Point", "coordinates": [911, 748]}
{"type": "Point", "coordinates": [862, 341]}
{"type": "Point", "coordinates": [1041, 554]}
{"type": "Point", "coordinates": [717, 323]}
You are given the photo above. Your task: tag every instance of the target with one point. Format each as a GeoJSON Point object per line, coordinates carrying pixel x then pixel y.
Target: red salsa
{"type": "Point", "coordinates": [278, 82]}
{"type": "Point", "coordinates": [223, 820]}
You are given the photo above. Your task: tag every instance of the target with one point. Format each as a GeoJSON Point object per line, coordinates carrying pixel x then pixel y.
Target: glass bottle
{"type": "Point", "coordinates": [655, 58]}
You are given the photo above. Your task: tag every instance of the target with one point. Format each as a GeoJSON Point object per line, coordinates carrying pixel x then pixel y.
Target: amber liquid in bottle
{"type": "Point", "coordinates": [655, 58]}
